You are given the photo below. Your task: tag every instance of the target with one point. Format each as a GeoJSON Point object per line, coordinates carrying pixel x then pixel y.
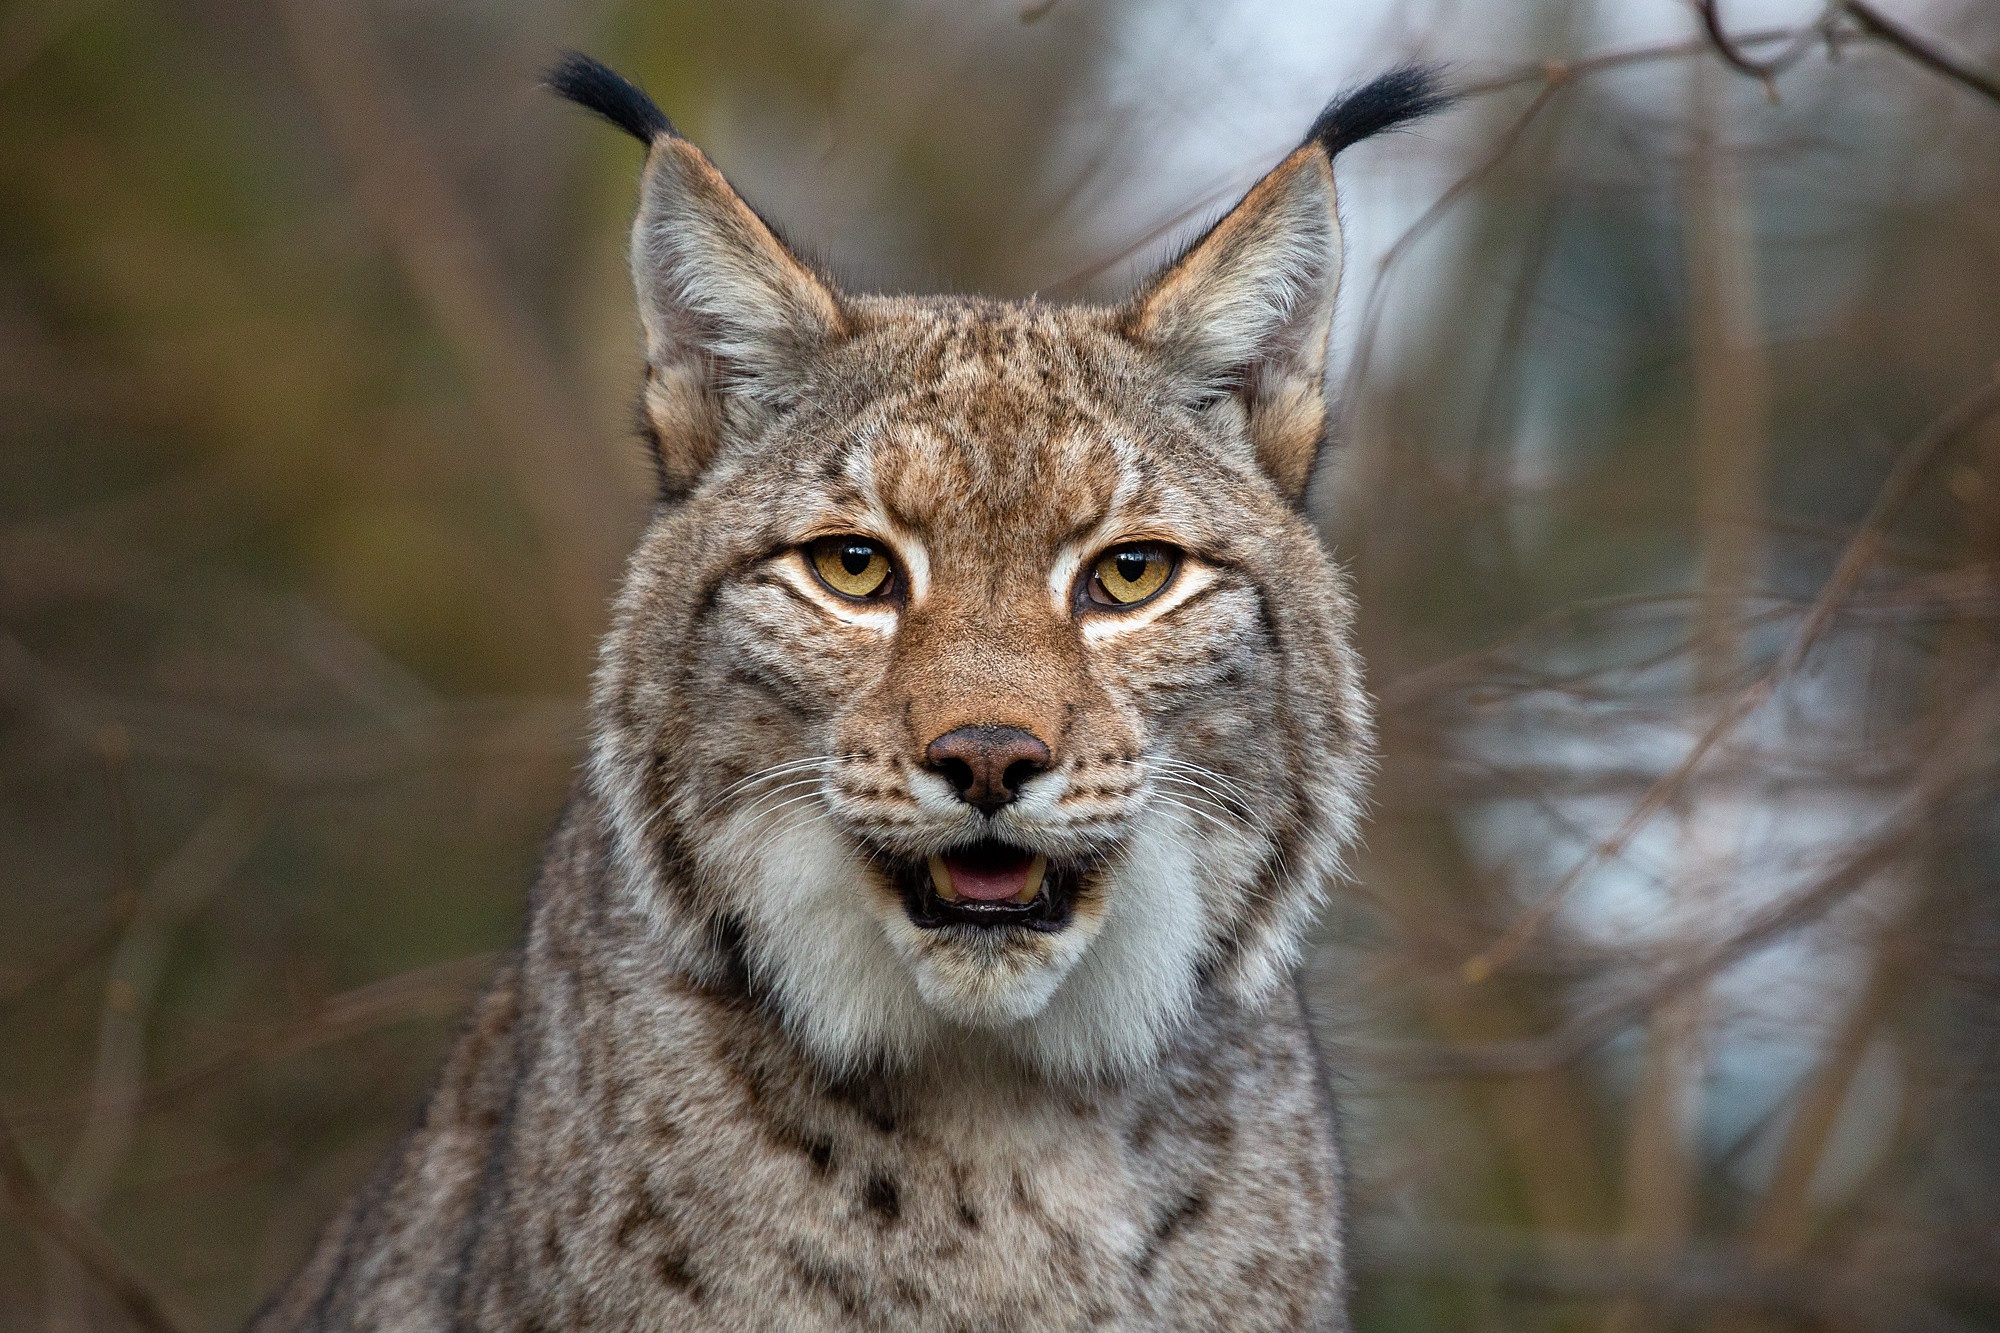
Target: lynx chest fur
{"type": "Point", "coordinates": [976, 736]}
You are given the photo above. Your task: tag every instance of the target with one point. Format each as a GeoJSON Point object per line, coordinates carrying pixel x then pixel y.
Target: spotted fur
{"type": "Point", "coordinates": [729, 1081]}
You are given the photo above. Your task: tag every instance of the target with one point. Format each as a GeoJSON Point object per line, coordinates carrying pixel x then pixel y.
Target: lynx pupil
{"type": "Point", "coordinates": [852, 566]}
{"type": "Point", "coordinates": [1132, 565]}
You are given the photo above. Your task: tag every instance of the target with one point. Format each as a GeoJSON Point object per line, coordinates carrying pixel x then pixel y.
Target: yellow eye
{"type": "Point", "coordinates": [1128, 575]}
{"type": "Point", "coordinates": [851, 566]}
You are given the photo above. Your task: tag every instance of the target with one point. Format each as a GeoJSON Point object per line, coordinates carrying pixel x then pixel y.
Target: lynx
{"type": "Point", "coordinates": [977, 733]}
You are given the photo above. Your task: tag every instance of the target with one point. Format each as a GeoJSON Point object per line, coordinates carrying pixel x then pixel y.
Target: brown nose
{"type": "Point", "coordinates": [987, 765]}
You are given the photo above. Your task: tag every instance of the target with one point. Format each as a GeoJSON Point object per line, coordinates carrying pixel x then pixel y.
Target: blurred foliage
{"type": "Point", "coordinates": [314, 340]}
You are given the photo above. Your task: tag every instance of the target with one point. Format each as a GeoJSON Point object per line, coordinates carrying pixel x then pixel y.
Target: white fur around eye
{"type": "Point", "coordinates": [880, 616]}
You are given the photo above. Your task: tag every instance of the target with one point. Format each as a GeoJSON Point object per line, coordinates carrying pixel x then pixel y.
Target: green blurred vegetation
{"type": "Point", "coordinates": [316, 366]}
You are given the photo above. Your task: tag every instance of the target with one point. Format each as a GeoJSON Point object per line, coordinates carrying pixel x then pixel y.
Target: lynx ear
{"type": "Point", "coordinates": [731, 316]}
{"type": "Point", "coordinates": [1247, 309]}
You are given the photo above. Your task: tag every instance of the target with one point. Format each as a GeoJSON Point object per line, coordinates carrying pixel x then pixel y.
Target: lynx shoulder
{"type": "Point", "coordinates": [977, 733]}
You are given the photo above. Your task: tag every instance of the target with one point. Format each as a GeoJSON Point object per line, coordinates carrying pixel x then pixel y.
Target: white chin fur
{"type": "Point", "coordinates": [977, 980]}
{"type": "Point", "coordinates": [858, 983]}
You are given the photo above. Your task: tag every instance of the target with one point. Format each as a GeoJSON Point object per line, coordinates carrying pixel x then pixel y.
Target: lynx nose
{"type": "Point", "coordinates": [987, 765]}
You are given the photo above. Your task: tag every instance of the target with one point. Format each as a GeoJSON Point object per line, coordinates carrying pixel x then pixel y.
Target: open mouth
{"type": "Point", "coordinates": [989, 884]}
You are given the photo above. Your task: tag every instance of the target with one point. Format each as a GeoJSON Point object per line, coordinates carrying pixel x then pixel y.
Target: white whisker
{"type": "Point", "coordinates": [757, 805]}
{"type": "Point", "coordinates": [774, 771]}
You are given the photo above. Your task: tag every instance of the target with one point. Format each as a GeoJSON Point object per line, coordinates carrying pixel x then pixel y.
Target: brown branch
{"type": "Point", "coordinates": [1546, 73]}
{"type": "Point", "coordinates": [1878, 25]}
{"type": "Point", "coordinates": [557, 469]}
{"type": "Point", "coordinates": [290, 757]}
{"type": "Point", "coordinates": [1765, 70]}
{"type": "Point", "coordinates": [204, 864]}
{"type": "Point", "coordinates": [55, 1227]}
{"type": "Point", "coordinates": [429, 991]}
{"type": "Point", "coordinates": [1909, 469]}
{"type": "Point", "coordinates": [99, 938]}
{"type": "Point", "coordinates": [1951, 756]}
{"type": "Point", "coordinates": [1689, 1276]}
{"type": "Point", "coordinates": [1555, 78]}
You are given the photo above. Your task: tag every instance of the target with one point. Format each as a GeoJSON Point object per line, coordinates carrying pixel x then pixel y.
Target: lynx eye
{"type": "Point", "coordinates": [852, 566]}
{"type": "Point", "coordinates": [1128, 575]}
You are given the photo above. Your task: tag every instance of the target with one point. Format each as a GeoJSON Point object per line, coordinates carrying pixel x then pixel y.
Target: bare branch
{"type": "Point", "coordinates": [1910, 467]}
{"type": "Point", "coordinates": [433, 990]}
{"type": "Point", "coordinates": [188, 880]}
{"type": "Point", "coordinates": [1687, 1277]}
{"type": "Point", "coordinates": [50, 1223]}
{"type": "Point", "coordinates": [558, 472]}
{"type": "Point", "coordinates": [1951, 757]}
{"type": "Point", "coordinates": [1877, 24]}
{"type": "Point", "coordinates": [1767, 69]}
{"type": "Point", "coordinates": [275, 755]}
{"type": "Point", "coordinates": [1554, 79]}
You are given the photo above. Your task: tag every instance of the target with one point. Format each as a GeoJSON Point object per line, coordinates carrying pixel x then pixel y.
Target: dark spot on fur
{"type": "Point", "coordinates": [1175, 1218]}
{"type": "Point", "coordinates": [867, 1100]}
{"type": "Point", "coordinates": [968, 1217]}
{"type": "Point", "coordinates": [816, 1148]}
{"type": "Point", "coordinates": [829, 1279]}
{"type": "Point", "coordinates": [674, 1271]}
{"type": "Point", "coordinates": [881, 1197]}
{"type": "Point", "coordinates": [1025, 1200]}
{"type": "Point", "coordinates": [640, 1215]}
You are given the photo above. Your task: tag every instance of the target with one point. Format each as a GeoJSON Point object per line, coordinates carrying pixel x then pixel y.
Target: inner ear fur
{"type": "Point", "coordinates": [732, 317]}
{"type": "Point", "coordinates": [1248, 308]}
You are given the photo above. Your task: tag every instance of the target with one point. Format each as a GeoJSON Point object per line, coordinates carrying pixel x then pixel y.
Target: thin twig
{"type": "Point", "coordinates": [57, 1228]}
{"type": "Point", "coordinates": [1910, 468]}
{"type": "Point", "coordinates": [1766, 70]}
{"type": "Point", "coordinates": [557, 470]}
{"type": "Point", "coordinates": [194, 875]}
{"type": "Point", "coordinates": [429, 991]}
{"type": "Point", "coordinates": [1460, 188]}
{"type": "Point", "coordinates": [93, 942]}
{"type": "Point", "coordinates": [1877, 24]}
{"type": "Point", "coordinates": [1950, 757]}
{"type": "Point", "coordinates": [264, 754]}
{"type": "Point", "coordinates": [1693, 1276]}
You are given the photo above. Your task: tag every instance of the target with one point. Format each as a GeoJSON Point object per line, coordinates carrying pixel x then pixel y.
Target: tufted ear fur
{"type": "Point", "coordinates": [732, 317]}
{"type": "Point", "coordinates": [1245, 312]}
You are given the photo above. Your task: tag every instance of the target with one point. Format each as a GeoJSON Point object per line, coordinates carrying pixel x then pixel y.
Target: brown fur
{"type": "Point", "coordinates": [728, 1082]}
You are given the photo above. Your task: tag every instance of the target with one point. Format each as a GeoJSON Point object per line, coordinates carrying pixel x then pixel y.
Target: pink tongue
{"type": "Point", "coordinates": [988, 883]}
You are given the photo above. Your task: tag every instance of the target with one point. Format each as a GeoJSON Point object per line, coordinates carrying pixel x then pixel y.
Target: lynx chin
{"type": "Point", "coordinates": [977, 734]}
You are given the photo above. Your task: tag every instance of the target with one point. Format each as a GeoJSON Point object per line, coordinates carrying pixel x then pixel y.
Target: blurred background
{"type": "Point", "coordinates": [1667, 990]}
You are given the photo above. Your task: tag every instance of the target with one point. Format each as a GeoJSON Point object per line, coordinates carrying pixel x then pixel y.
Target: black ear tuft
{"type": "Point", "coordinates": [597, 87]}
{"type": "Point", "coordinates": [1397, 98]}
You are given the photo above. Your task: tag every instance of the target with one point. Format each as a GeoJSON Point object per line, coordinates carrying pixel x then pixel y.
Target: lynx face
{"type": "Point", "coordinates": [979, 685]}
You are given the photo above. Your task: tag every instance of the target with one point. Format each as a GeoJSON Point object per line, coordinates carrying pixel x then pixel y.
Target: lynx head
{"type": "Point", "coordinates": [978, 682]}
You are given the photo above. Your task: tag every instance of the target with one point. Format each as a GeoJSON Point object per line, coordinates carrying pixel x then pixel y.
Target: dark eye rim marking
{"type": "Point", "coordinates": [889, 590]}
{"type": "Point", "coordinates": [1092, 596]}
